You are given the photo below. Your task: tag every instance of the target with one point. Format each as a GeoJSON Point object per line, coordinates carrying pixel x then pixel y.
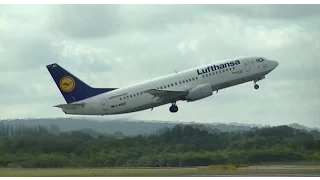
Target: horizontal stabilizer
{"type": "Point", "coordinates": [70, 106]}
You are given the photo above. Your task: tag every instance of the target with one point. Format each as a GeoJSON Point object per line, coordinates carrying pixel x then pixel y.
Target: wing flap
{"type": "Point", "coordinates": [167, 94]}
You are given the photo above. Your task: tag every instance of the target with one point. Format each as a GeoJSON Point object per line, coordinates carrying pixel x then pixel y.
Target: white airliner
{"type": "Point", "coordinates": [189, 85]}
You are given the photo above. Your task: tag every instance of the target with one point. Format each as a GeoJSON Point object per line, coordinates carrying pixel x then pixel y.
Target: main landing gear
{"type": "Point", "coordinates": [174, 108]}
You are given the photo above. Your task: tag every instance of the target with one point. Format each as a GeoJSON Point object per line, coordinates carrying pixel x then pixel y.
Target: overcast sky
{"type": "Point", "coordinates": [119, 45]}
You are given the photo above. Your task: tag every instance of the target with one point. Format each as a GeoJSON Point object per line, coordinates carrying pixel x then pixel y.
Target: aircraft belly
{"type": "Point", "coordinates": [240, 80]}
{"type": "Point", "coordinates": [86, 110]}
{"type": "Point", "coordinates": [130, 105]}
{"type": "Point", "coordinates": [140, 107]}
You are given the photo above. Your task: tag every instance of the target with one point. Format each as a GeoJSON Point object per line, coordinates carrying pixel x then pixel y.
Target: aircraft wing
{"type": "Point", "coordinates": [167, 94]}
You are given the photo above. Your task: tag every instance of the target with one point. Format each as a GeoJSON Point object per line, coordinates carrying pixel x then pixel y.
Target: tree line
{"type": "Point", "coordinates": [182, 145]}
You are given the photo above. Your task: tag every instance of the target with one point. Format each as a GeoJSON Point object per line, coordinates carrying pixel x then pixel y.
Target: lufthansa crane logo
{"type": "Point", "coordinates": [67, 84]}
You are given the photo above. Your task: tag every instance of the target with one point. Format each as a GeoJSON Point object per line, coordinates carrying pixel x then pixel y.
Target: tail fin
{"type": "Point", "coordinates": [72, 88]}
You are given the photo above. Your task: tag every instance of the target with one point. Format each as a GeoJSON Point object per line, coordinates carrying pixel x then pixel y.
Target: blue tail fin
{"type": "Point", "coordinates": [72, 88]}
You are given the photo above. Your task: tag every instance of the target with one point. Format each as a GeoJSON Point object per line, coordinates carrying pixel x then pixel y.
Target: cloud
{"type": "Point", "coordinates": [117, 45]}
{"type": "Point", "coordinates": [272, 11]}
{"type": "Point", "coordinates": [23, 52]}
{"type": "Point", "coordinates": [85, 21]}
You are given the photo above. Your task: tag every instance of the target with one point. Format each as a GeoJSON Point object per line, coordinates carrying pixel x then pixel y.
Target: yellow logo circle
{"type": "Point", "coordinates": [67, 84]}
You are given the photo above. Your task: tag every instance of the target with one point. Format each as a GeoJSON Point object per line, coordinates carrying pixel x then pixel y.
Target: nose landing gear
{"type": "Point", "coordinates": [256, 86]}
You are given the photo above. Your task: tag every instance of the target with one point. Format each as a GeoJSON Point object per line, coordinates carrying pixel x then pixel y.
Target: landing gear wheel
{"type": "Point", "coordinates": [256, 86]}
{"type": "Point", "coordinates": [173, 108]}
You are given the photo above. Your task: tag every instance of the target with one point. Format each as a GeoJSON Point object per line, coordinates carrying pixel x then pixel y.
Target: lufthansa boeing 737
{"type": "Point", "coordinates": [189, 85]}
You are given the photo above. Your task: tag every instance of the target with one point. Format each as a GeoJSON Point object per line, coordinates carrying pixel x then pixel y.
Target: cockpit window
{"type": "Point", "coordinates": [260, 60]}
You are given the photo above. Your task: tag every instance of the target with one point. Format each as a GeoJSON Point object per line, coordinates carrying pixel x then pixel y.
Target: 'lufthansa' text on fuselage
{"type": "Point", "coordinates": [218, 67]}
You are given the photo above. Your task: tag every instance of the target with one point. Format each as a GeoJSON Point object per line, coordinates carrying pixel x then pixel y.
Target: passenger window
{"type": "Point", "coordinates": [140, 93]}
{"type": "Point", "coordinates": [168, 85]}
{"type": "Point", "coordinates": [134, 95]}
{"type": "Point", "coordinates": [203, 76]}
{"type": "Point", "coordinates": [161, 87]}
{"type": "Point", "coordinates": [171, 84]}
{"type": "Point", "coordinates": [187, 80]}
{"type": "Point", "coordinates": [234, 68]}
{"type": "Point", "coordinates": [131, 96]}
{"type": "Point", "coordinates": [183, 81]}
{"type": "Point", "coordinates": [165, 86]}
{"type": "Point", "coordinates": [227, 69]}
{"type": "Point", "coordinates": [230, 69]}
{"type": "Point", "coordinates": [223, 70]}
{"type": "Point", "coordinates": [180, 82]}
{"type": "Point", "coordinates": [120, 98]}
{"type": "Point", "coordinates": [192, 79]}
{"type": "Point", "coordinates": [212, 73]}
{"type": "Point", "coordinates": [176, 84]}
{"type": "Point", "coordinates": [220, 71]}
{"type": "Point", "coordinates": [124, 97]}
{"type": "Point", "coordinates": [207, 75]}
{"type": "Point", "coordinates": [196, 77]}
{"type": "Point", "coordinates": [127, 97]}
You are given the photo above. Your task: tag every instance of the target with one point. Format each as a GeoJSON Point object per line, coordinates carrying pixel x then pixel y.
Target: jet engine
{"type": "Point", "coordinates": [199, 92]}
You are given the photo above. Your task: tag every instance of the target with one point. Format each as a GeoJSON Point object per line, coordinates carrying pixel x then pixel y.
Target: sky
{"type": "Point", "coordinates": [119, 45]}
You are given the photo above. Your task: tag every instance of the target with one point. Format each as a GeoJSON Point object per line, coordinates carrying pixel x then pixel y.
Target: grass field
{"type": "Point", "coordinates": [152, 172]}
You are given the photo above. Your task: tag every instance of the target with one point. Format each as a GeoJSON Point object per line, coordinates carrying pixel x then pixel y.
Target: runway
{"type": "Point", "coordinates": [284, 167]}
{"type": "Point", "coordinates": [270, 171]}
{"type": "Point", "coordinates": [263, 175]}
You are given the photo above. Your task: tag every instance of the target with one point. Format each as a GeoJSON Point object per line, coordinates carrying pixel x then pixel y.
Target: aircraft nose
{"type": "Point", "coordinates": [274, 64]}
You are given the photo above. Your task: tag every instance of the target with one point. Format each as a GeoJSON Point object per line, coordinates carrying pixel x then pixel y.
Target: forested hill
{"type": "Point", "coordinates": [181, 145]}
{"type": "Point", "coordinates": [111, 126]}
{"type": "Point", "coordinates": [124, 126]}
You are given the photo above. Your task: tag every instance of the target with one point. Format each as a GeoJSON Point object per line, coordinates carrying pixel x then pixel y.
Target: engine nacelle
{"type": "Point", "coordinates": [199, 92]}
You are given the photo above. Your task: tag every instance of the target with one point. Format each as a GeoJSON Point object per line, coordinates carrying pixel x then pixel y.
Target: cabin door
{"type": "Point", "coordinates": [104, 104]}
{"type": "Point", "coordinates": [246, 65]}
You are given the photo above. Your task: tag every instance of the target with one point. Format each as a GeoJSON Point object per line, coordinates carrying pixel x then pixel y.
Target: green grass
{"type": "Point", "coordinates": [154, 172]}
